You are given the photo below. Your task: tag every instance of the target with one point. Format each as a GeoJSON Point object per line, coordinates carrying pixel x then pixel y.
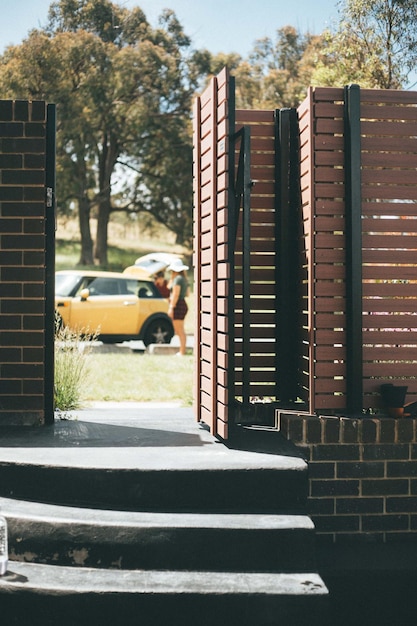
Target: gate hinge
{"type": "Point", "coordinates": [49, 197]}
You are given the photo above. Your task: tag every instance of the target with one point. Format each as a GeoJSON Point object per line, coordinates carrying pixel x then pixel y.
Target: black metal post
{"type": "Point", "coordinates": [354, 347]}
{"type": "Point", "coordinates": [232, 227]}
{"type": "Point", "coordinates": [246, 287]}
{"type": "Point", "coordinates": [287, 249]}
{"type": "Point", "coordinates": [50, 227]}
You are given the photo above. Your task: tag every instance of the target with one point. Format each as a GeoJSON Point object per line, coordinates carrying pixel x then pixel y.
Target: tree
{"type": "Point", "coordinates": [124, 93]}
{"type": "Point", "coordinates": [375, 45]}
{"type": "Point", "coordinates": [276, 73]}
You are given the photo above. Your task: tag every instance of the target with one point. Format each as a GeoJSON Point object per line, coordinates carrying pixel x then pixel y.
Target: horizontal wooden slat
{"type": "Point", "coordinates": [389, 305]}
{"type": "Point", "coordinates": [258, 376]}
{"type": "Point", "coordinates": [330, 353]}
{"type": "Point", "coordinates": [397, 290]}
{"type": "Point", "coordinates": [257, 360]}
{"type": "Point", "coordinates": [400, 370]}
{"type": "Point", "coordinates": [391, 353]}
{"type": "Point", "coordinates": [395, 338]}
{"type": "Point", "coordinates": [330, 385]}
{"type": "Point", "coordinates": [255, 115]}
{"type": "Point", "coordinates": [402, 226]}
{"type": "Point", "coordinates": [327, 369]}
{"type": "Point", "coordinates": [258, 389]}
{"type": "Point", "coordinates": [389, 191]}
{"type": "Point", "coordinates": [390, 96]}
{"type": "Point", "coordinates": [329, 344]}
{"type": "Point", "coordinates": [389, 272]}
{"type": "Point", "coordinates": [329, 402]}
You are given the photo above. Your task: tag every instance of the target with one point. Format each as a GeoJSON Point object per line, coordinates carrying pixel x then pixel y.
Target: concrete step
{"type": "Point", "coordinates": [180, 528]}
{"type": "Point", "coordinates": [156, 479]}
{"type": "Point", "coordinates": [52, 534]}
{"type": "Point", "coordinates": [49, 594]}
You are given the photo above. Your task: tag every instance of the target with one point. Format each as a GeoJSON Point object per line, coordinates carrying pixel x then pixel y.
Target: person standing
{"type": "Point", "coordinates": [177, 305]}
{"type": "Point", "coordinates": [162, 285]}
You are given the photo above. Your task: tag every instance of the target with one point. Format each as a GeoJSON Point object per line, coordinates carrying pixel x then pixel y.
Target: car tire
{"type": "Point", "coordinates": [158, 331]}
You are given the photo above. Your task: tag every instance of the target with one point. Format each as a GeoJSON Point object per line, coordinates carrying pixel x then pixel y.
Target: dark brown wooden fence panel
{"type": "Point", "coordinates": [211, 144]}
{"type": "Point", "coordinates": [389, 218]}
{"type": "Point", "coordinates": [387, 248]}
{"type": "Point", "coordinates": [322, 184]}
{"type": "Point", "coordinates": [263, 288]}
{"type": "Point", "coordinates": [306, 260]}
{"type": "Point", "coordinates": [389, 242]}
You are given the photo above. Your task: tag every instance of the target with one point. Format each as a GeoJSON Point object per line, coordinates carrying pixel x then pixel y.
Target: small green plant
{"type": "Point", "coordinates": [71, 366]}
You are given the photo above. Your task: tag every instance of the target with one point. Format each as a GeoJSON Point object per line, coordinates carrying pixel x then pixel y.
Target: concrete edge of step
{"type": "Point", "coordinates": [60, 580]}
{"type": "Point", "coordinates": [26, 510]}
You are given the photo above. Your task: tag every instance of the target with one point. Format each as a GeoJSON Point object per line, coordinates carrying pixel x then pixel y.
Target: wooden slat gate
{"type": "Point", "coordinates": [305, 253]}
{"type": "Point", "coordinates": [241, 275]}
{"type": "Point", "coordinates": [211, 262]}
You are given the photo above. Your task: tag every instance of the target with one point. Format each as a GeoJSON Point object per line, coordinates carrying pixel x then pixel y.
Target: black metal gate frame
{"type": "Point", "coordinates": [50, 202]}
{"type": "Point", "coordinates": [354, 330]}
{"type": "Point", "coordinates": [242, 189]}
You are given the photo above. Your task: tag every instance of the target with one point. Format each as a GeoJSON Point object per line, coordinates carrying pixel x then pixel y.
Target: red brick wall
{"type": "Point", "coordinates": [22, 261]}
{"type": "Point", "coordinates": [362, 474]}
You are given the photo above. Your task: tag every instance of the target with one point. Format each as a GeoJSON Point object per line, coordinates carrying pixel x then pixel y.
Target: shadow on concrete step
{"type": "Point", "coordinates": [78, 433]}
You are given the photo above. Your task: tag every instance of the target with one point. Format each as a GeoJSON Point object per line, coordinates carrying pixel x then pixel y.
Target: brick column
{"type": "Point", "coordinates": [22, 261]}
{"type": "Point", "coordinates": [362, 474]}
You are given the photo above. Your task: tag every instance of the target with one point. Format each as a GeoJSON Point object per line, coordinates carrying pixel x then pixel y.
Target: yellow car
{"type": "Point", "coordinates": [118, 307]}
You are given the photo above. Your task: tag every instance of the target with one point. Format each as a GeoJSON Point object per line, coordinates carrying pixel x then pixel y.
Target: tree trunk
{"type": "Point", "coordinates": [107, 163]}
{"type": "Point", "coordinates": [86, 256]}
{"type": "Point", "coordinates": [100, 252]}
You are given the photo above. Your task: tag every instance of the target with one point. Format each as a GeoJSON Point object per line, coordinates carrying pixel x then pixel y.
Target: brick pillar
{"type": "Point", "coordinates": [362, 475]}
{"type": "Point", "coordinates": [22, 261]}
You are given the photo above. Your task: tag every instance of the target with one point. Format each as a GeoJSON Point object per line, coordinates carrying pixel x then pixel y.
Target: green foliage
{"type": "Point", "coordinates": [375, 45]}
{"type": "Point", "coordinates": [68, 253]}
{"type": "Point", "coordinates": [124, 93]}
{"type": "Point", "coordinates": [71, 367]}
{"type": "Point", "coordinates": [277, 72]}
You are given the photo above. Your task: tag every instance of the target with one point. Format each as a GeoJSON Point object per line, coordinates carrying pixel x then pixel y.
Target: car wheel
{"type": "Point", "coordinates": [158, 331]}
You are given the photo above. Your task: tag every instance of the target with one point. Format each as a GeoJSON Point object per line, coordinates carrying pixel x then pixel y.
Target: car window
{"type": "Point", "coordinates": [104, 286]}
{"type": "Point", "coordinates": [132, 287]}
{"type": "Point", "coordinates": [84, 283]}
{"type": "Point", "coordinates": [142, 288]}
{"type": "Point", "coordinates": [67, 284]}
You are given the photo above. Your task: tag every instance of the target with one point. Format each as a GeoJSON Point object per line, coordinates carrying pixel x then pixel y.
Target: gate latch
{"type": "Point", "coordinates": [49, 197]}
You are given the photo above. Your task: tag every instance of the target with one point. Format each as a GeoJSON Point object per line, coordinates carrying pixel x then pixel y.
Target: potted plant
{"type": "Point", "coordinates": [393, 397]}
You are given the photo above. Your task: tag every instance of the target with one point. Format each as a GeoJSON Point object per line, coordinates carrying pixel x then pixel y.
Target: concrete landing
{"type": "Point", "coordinates": [142, 457]}
{"type": "Point", "coordinates": [134, 435]}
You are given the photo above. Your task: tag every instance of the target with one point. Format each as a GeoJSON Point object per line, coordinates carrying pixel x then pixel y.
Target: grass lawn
{"type": "Point", "coordinates": [138, 377]}
{"type": "Point", "coordinates": [131, 376]}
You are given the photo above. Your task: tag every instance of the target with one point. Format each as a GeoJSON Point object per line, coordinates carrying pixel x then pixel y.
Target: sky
{"type": "Point", "coordinates": [218, 25]}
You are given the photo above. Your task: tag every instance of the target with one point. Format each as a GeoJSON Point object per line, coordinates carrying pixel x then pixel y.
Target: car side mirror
{"type": "Point", "coordinates": [84, 294]}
